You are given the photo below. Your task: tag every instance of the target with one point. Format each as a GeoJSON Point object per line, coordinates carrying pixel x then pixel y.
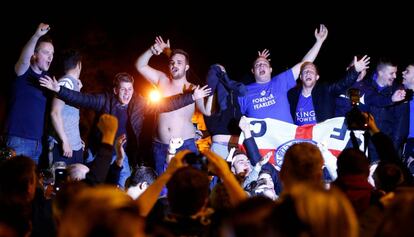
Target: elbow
{"type": "Point", "coordinates": [54, 114]}
{"type": "Point", "coordinates": [139, 66]}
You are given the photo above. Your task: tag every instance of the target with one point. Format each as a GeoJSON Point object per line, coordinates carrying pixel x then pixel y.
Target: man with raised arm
{"type": "Point", "coordinates": [267, 97]}
{"type": "Point", "coordinates": [126, 106]}
{"type": "Point", "coordinates": [26, 118]}
{"type": "Point", "coordinates": [176, 123]}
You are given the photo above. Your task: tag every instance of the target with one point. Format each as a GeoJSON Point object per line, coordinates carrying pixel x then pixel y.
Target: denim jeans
{"type": "Point", "coordinates": [160, 151]}
{"type": "Point", "coordinates": [220, 149]}
{"type": "Point", "coordinates": [77, 156]}
{"type": "Point", "coordinates": [27, 147]}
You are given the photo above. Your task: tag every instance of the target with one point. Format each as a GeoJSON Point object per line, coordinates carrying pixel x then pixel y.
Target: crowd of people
{"type": "Point", "coordinates": [222, 189]}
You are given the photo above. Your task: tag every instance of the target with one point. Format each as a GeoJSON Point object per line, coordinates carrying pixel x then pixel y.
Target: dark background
{"type": "Point", "coordinates": [112, 35]}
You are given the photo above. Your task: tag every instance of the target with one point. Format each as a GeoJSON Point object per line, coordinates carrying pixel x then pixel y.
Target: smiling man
{"type": "Point", "coordinates": [267, 96]}
{"type": "Point", "coordinates": [175, 123]}
{"type": "Point", "coordinates": [314, 102]}
{"type": "Point", "coordinates": [127, 107]}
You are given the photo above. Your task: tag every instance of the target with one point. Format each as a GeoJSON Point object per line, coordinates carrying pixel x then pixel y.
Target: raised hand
{"type": "Point", "coordinates": [108, 125]}
{"type": "Point", "coordinates": [322, 33]}
{"type": "Point", "coordinates": [119, 148]}
{"type": "Point", "coordinates": [202, 92]}
{"type": "Point", "coordinates": [42, 29]}
{"type": "Point", "coordinates": [244, 125]}
{"type": "Point", "coordinates": [371, 124]}
{"type": "Point", "coordinates": [155, 49]}
{"type": "Point", "coordinates": [264, 54]}
{"type": "Point", "coordinates": [362, 64]}
{"type": "Point", "coordinates": [221, 68]}
{"type": "Point", "coordinates": [161, 44]}
{"type": "Point", "coordinates": [49, 83]}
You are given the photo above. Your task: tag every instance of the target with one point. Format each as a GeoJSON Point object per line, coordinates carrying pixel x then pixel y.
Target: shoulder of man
{"type": "Point", "coordinates": [66, 82]}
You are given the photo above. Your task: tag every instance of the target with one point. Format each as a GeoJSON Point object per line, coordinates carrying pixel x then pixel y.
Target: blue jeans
{"type": "Point", "coordinates": [77, 156]}
{"type": "Point", "coordinates": [125, 171]}
{"type": "Point", "coordinates": [27, 147]}
{"type": "Point", "coordinates": [160, 151]}
{"type": "Point", "coordinates": [220, 149]}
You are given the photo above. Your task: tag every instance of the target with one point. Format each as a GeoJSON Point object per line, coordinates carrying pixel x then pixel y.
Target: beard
{"type": "Point", "coordinates": [178, 74]}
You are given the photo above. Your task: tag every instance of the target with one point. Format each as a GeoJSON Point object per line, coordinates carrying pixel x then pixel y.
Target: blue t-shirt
{"type": "Point", "coordinates": [269, 100]}
{"type": "Point", "coordinates": [305, 113]}
{"type": "Point", "coordinates": [27, 107]}
{"type": "Point", "coordinates": [411, 134]}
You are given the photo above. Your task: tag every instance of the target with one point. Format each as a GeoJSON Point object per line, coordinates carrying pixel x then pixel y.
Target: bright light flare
{"type": "Point", "coordinates": [155, 96]}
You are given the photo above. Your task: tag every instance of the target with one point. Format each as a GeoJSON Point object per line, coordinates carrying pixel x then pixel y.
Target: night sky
{"type": "Point", "coordinates": [113, 37]}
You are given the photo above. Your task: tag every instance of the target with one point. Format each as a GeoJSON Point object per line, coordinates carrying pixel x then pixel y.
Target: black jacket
{"type": "Point", "coordinates": [137, 107]}
{"type": "Point", "coordinates": [402, 124]}
{"type": "Point", "coordinates": [323, 96]}
{"type": "Point", "coordinates": [388, 116]}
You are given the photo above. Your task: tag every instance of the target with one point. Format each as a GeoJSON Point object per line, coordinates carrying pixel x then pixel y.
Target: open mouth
{"type": "Point", "coordinates": [262, 72]}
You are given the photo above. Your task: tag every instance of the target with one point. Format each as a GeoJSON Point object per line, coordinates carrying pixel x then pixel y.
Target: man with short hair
{"type": "Point", "coordinates": [26, 118]}
{"type": "Point", "coordinates": [267, 96]}
{"type": "Point", "coordinates": [65, 118]}
{"type": "Point", "coordinates": [175, 123]}
{"type": "Point", "coordinates": [127, 108]}
{"type": "Point", "coordinates": [139, 181]}
{"type": "Point", "coordinates": [303, 162]}
{"type": "Point", "coordinates": [380, 94]}
{"type": "Point", "coordinates": [314, 102]}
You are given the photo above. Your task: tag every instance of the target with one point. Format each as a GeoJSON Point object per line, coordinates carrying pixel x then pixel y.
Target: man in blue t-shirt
{"type": "Point", "coordinates": [314, 102]}
{"type": "Point", "coordinates": [25, 122]}
{"type": "Point", "coordinates": [267, 97]}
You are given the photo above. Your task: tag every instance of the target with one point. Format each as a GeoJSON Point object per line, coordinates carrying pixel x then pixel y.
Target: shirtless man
{"type": "Point", "coordinates": [176, 123]}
